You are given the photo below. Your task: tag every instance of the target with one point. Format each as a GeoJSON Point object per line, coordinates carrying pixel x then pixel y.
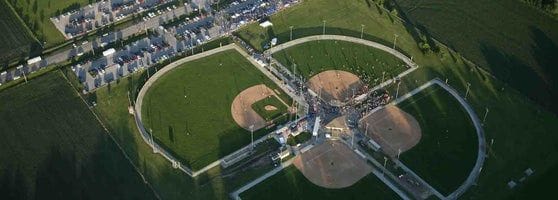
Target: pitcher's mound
{"type": "Point", "coordinates": [270, 108]}
{"type": "Point", "coordinates": [332, 165]}
{"type": "Point", "coordinates": [335, 85]}
{"type": "Point", "coordinates": [393, 129]}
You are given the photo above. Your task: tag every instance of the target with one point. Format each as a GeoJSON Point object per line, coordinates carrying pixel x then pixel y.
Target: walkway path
{"type": "Point", "coordinates": [236, 193]}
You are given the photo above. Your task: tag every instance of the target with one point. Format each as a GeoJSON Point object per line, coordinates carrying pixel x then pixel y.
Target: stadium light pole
{"type": "Point", "coordinates": [467, 92]}
{"type": "Point", "coordinates": [252, 135]}
{"type": "Point", "coordinates": [323, 32]}
{"type": "Point", "coordinates": [152, 142]}
{"type": "Point", "coordinates": [291, 36]}
{"type": "Point", "coordinates": [383, 76]}
{"type": "Point", "coordinates": [397, 91]}
{"type": "Point", "coordinates": [361, 30]}
{"type": "Point", "coordinates": [394, 39]}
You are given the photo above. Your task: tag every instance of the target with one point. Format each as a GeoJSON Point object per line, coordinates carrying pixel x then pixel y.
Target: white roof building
{"type": "Point", "coordinates": [34, 60]}
{"type": "Point", "coordinates": [109, 52]}
{"type": "Point", "coordinates": [266, 24]}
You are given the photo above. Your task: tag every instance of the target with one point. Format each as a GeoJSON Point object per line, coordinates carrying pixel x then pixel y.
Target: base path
{"type": "Point", "coordinates": [332, 164]}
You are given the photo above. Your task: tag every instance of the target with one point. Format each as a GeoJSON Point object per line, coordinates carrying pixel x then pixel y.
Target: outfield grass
{"type": "Point", "coordinates": [189, 109]}
{"type": "Point", "coordinates": [314, 57]}
{"type": "Point", "coordinates": [447, 151]}
{"type": "Point", "coordinates": [54, 148]}
{"type": "Point", "coordinates": [291, 184]}
{"type": "Point", "coordinates": [515, 42]}
{"type": "Point", "coordinates": [37, 13]}
{"type": "Point", "coordinates": [15, 39]}
{"type": "Point", "coordinates": [268, 115]}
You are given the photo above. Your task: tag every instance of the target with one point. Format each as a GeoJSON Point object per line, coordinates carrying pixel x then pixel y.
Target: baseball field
{"type": "Point", "coordinates": [447, 151]}
{"type": "Point", "coordinates": [290, 183]}
{"type": "Point", "coordinates": [201, 111]}
{"type": "Point", "coordinates": [52, 147]}
{"type": "Point", "coordinates": [366, 62]}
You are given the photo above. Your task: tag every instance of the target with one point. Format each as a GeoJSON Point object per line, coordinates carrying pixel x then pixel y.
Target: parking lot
{"type": "Point", "coordinates": [93, 16]}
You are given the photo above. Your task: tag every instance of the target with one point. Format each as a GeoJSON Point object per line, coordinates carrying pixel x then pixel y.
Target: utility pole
{"type": "Point", "coordinates": [485, 114]}
{"type": "Point", "coordinates": [291, 27]}
{"type": "Point", "coordinates": [385, 163]}
{"type": "Point", "coordinates": [324, 27]}
{"type": "Point", "coordinates": [394, 40]}
{"type": "Point", "coordinates": [467, 92]}
{"type": "Point", "coordinates": [361, 30]}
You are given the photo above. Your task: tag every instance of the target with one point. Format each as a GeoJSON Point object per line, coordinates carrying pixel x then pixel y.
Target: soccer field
{"type": "Point", "coordinates": [318, 56]}
{"type": "Point", "coordinates": [52, 147]}
{"type": "Point", "coordinates": [290, 183]}
{"type": "Point", "coordinates": [447, 151]}
{"type": "Point", "coordinates": [189, 108]}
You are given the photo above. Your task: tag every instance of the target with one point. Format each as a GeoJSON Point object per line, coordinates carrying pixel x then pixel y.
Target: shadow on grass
{"type": "Point", "coordinates": [538, 83]}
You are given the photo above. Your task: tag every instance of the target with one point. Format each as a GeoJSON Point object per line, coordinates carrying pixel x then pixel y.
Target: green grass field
{"type": "Point", "coordinates": [447, 151]}
{"type": "Point", "coordinates": [37, 13]}
{"type": "Point", "coordinates": [298, 139]}
{"type": "Point", "coordinates": [15, 38]}
{"type": "Point", "coordinates": [189, 109]}
{"type": "Point", "coordinates": [291, 184]}
{"type": "Point", "coordinates": [54, 148]}
{"type": "Point", "coordinates": [515, 42]}
{"type": "Point", "coordinates": [317, 56]}
{"type": "Point", "coordinates": [268, 115]}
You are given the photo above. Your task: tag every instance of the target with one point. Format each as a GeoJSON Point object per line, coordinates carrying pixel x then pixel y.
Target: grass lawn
{"type": "Point", "coordinates": [516, 42]}
{"type": "Point", "coordinates": [52, 147]}
{"type": "Point", "coordinates": [298, 139]}
{"type": "Point", "coordinates": [447, 151]}
{"type": "Point", "coordinates": [317, 56]}
{"type": "Point", "coordinates": [189, 109]}
{"type": "Point", "coordinates": [37, 13]}
{"type": "Point", "coordinates": [268, 115]}
{"type": "Point", "coordinates": [291, 184]}
{"type": "Point", "coordinates": [15, 38]}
